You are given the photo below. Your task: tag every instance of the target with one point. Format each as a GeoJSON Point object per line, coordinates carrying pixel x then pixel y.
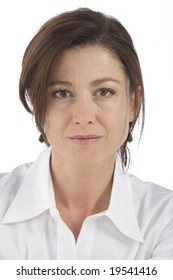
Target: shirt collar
{"type": "Point", "coordinates": [35, 195]}
{"type": "Point", "coordinates": [121, 207]}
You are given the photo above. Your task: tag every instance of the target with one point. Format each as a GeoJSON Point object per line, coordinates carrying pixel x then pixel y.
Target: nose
{"type": "Point", "coordinates": [84, 112]}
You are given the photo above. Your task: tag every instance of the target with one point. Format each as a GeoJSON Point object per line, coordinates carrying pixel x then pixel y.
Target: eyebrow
{"type": "Point", "coordinates": [104, 80]}
{"type": "Point", "coordinates": [53, 83]}
{"type": "Point", "coordinates": [94, 83]}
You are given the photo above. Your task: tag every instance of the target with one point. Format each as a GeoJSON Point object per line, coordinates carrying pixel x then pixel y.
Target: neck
{"type": "Point", "coordinates": [84, 189]}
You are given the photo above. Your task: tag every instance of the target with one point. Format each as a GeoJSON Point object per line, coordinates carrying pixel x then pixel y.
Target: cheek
{"type": "Point", "coordinates": [55, 121]}
{"type": "Point", "coordinates": [118, 122]}
{"type": "Point", "coordinates": [118, 116]}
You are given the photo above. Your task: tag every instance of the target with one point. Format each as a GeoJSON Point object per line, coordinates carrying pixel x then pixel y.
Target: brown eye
{"type": "Point", "coordinates": [61, 94]}
{"type": "Point", "coordinates": [105, 92]}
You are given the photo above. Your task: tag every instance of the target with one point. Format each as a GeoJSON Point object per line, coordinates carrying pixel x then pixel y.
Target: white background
{"type": "Point", "coordinates": [150, 23]}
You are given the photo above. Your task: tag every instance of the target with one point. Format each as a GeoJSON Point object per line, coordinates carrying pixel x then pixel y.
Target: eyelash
{"type": "Point", "coordinates": [55, 93]}
{"type": "Point", "coordinates": [107, 90]}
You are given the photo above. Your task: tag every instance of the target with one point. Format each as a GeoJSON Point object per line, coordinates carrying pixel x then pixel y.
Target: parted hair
{"type": "Point", "coordinates": [81, 27]}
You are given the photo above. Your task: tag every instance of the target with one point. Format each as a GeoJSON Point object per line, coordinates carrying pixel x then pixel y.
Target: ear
{"type": "Point", "coordinates": [136, 99]}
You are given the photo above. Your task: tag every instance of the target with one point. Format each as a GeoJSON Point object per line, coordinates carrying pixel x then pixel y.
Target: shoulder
{"type": "Point", "coordinates": [151, 197]}
{"type": "Point", "coordinates": [148, 189]}
{"type": "Point", "coordinates": [23, 180]}
{"type": "Point", "coordinates": [13, 177]}
{"type": "Point", "coordinates": [10, 184]}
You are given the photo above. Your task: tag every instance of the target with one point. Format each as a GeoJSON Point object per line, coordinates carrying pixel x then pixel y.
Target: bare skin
{"type": "Point", "coordinates": [76, 198]}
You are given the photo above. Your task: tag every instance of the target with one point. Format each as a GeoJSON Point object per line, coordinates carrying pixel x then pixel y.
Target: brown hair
{"type": "Point", "coordinates": [80, 27]}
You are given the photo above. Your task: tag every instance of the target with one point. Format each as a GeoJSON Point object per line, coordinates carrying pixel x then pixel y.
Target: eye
{"type": "Point", "coordinates": [105, 92]}
{"type": "Point", "coordinates": [61, 93]}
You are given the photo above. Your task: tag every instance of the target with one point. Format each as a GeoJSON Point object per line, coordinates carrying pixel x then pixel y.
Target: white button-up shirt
{"type": "Point", "coordinates": [138, 223]}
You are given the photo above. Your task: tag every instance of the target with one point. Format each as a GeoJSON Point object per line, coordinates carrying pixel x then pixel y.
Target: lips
{"type": "Point", "coordinates": [85, 139]}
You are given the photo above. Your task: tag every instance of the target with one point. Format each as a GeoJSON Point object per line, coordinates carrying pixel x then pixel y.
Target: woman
{"type": "Point", "coordinates": [82, 82]}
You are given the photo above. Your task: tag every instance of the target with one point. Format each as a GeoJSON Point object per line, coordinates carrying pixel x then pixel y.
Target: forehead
{"type": "Point", "coordinates": [88, 61]}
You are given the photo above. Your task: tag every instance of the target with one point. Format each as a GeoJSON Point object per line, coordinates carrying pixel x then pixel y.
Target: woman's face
{"type": "Point", "coordinates": [89, 106]}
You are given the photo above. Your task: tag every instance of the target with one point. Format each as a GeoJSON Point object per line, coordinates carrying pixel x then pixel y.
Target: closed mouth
{"type": "Point", "coordinates": [85, 139]}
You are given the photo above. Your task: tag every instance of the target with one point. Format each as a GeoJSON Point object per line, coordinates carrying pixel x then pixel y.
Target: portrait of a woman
{"type": "Point", "coordinates": [82, 82]}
